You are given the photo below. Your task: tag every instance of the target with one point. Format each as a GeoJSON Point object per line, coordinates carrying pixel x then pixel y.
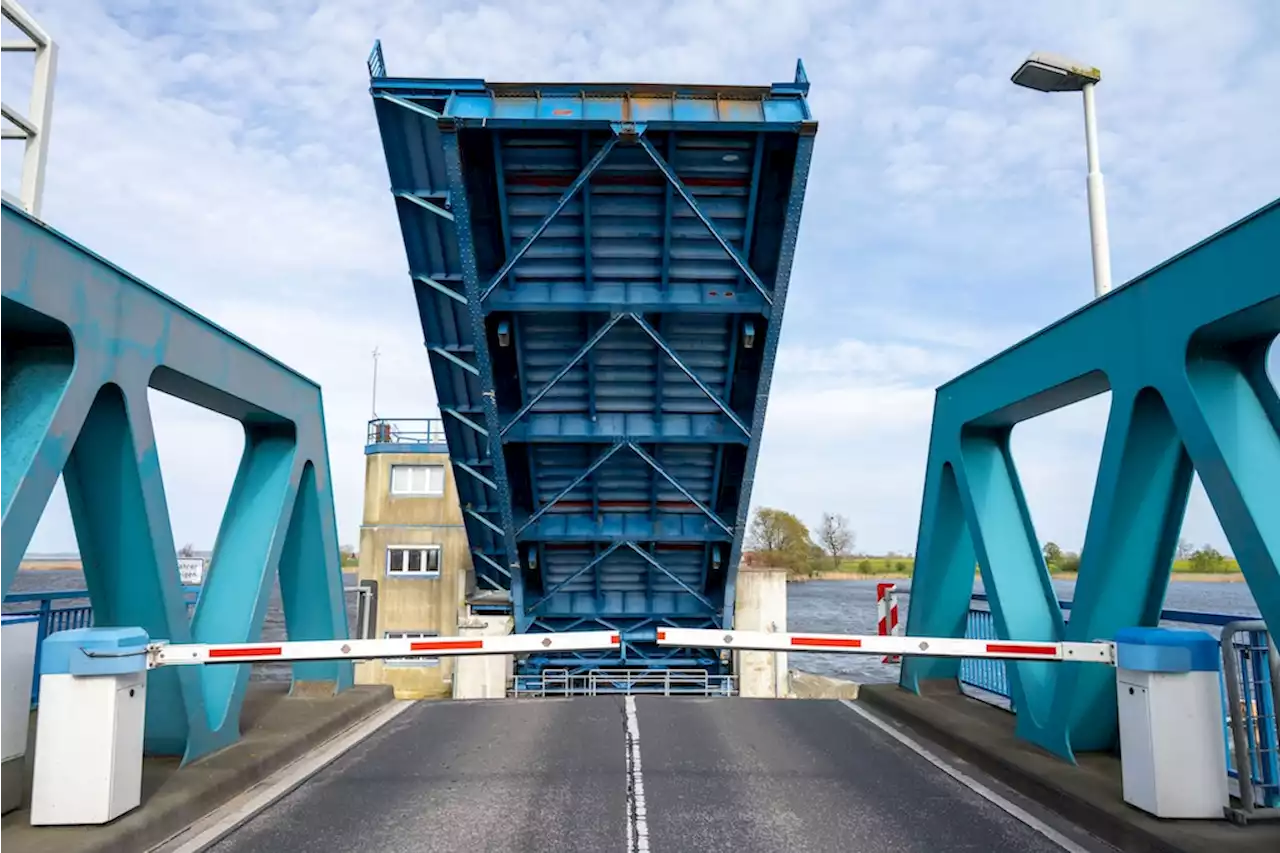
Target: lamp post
{"type": "Point", "coordinates": [1048, 72]}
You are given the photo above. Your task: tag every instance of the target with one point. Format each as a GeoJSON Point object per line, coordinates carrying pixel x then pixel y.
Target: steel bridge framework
{"type": "Point", "coordinates": [601, 272]}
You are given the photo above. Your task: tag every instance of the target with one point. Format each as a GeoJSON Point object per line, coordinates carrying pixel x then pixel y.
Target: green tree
{"type": "Point", "coordinates": [781, 540]}
{"type": "Point", "coordinates": [1052, 555]}
{"type": "Point", "coordinates": [1208, 559]}
{"type": "Point", "coordinates": [1068, 562]}
{"type": "Point", "coordinates": [865, 567]}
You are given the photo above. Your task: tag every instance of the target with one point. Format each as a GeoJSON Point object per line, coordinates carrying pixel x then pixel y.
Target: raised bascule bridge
{"type": "Point", "coordinates": [601, 272]}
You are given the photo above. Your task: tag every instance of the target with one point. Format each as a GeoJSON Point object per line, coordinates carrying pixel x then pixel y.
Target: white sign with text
{"type": "Point", "coordinates": [191, 570]}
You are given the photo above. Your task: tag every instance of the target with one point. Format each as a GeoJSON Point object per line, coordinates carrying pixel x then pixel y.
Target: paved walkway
{"type": "Point", "coordinates": [714, 775]}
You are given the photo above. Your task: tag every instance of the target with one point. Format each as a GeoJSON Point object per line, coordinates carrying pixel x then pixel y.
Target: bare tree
{"type": "Point", "coordinates": [187, 550]}
{"type": "Point", "coordinates": [1185, 549]}
{"type": "Point", "coordinates": [835, 537]}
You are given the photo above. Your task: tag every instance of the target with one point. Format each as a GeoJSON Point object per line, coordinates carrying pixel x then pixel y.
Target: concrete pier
{"type": "Point", "coordinates": [761, 605]}
{"type": "Point", "coordinates": [483, 677]}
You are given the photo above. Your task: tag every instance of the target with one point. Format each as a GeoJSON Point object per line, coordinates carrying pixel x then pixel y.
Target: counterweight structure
{"type": "Point", "coordinates": [600, 271]}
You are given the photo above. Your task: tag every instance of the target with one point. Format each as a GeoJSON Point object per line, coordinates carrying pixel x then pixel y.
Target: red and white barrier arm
{"type": "Point", "coordinates": [941, 647]}
{"type": "Point", "coordinates": [188, 654]}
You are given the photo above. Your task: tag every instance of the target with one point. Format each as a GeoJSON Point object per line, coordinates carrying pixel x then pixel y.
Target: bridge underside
{"type": "Point", "coordinates": [600, 272]}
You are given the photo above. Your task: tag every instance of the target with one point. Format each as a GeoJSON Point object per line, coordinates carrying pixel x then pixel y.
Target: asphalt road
{"type": "Point", "coordinates": [718, 775]}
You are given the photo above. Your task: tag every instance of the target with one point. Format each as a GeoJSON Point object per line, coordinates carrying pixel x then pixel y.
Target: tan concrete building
{"type": "Point", "coordinates": [414, 559]}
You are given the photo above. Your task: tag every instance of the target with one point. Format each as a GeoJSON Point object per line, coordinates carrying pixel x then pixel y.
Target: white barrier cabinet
{"type": "Point", "coordinates": [1172, 751]}
{"type": "Point", "coordinates": [88, 762]}
{"type": "Point", "coordinates": [19, 650]}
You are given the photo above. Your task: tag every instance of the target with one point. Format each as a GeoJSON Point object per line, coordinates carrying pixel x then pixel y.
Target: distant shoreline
{"type": "Point", "coordinates": [50, 566]}
{"type": "Point", "coordinates": [1193, 577]}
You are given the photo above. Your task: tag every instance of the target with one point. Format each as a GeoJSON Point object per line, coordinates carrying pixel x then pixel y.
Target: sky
{"type": "Point", "coordinates": [226, 152]}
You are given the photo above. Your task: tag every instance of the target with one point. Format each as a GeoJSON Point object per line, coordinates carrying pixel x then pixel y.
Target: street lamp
{"type": "Point", "coordinates": [1048, 72]}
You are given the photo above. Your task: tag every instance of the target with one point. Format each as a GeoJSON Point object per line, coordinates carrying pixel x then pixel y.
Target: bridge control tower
{"type": "Point", "coordinates": [601, 272]}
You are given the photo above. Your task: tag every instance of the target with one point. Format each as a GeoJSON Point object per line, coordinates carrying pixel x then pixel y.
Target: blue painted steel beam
{"type": "Point", "coordinates": [471, 286]}
{"type": "Point", "coordinates": [662, 472]}
{"type": "Point", "coordinates": [563, 371]}
{"type": "Point", "coordinates": [782, 280]}
{"type": "Point", "coordinates": [84, 342]}
{"type": "Point", "coordinates": [587, 264]}
{"type": "Point", "coordinates": [573, 577]}
{"type": "Point", "coordinates": [434, 209]}
{"type": "Point", "coordinates": [565, 198]}
{"type": "Point", "coordinates": [609, 427]}
{"type": "Point", "coordinates": [728, 247]}
{"type": "Point", "coordinates": [1182, 350]}
{"type": "Point", "coordinates": [679, 362]}
{"type": "Point", "coordinates": [563, 292]}
{"type": "Point", "coordinates": [657, 565]}
{"type": "Point", "coordinates": [444, 289]}
{"type": "Point", "coordinates": [454, 413]}
{"type": "Point", "coordinates": [577, 481]}
{"type": "Point", "coordinates": [667, 191]}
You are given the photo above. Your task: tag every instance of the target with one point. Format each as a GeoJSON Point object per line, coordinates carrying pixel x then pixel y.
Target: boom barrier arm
{"type": "Point", "coordinates": [191, 654]}
{"type": "Point", "coordinates": [943, 647]}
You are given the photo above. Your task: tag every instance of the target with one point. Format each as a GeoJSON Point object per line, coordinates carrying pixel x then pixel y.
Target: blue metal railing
{"type": "Point", "coordinates": [65, 618]}
{"type": "Point", "coordinates": [405, 431]}
{"type": "Point", "coordinates": [1252, 653]}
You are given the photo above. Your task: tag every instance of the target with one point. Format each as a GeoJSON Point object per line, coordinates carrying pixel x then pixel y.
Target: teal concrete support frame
{"type": "Point", "coordinates": [1183, 351]}
{"type": "Point", "coordinates": [83, 341]}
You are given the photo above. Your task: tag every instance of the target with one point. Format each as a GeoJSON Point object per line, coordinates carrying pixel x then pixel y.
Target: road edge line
{"type": "Point", "coordinates": [997, 800]}
{"type": "Point", "coordinates": [242, 808]}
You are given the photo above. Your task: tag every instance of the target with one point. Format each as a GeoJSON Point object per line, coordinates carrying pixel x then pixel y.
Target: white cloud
{"type": "Point", "coordinates": [227, 154]}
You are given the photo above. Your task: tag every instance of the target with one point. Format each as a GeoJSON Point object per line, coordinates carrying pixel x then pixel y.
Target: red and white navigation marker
{"type": "Point", "coordinates": [887, 614]}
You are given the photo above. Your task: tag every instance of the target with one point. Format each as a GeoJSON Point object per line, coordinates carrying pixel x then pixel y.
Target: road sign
{"type": "Point", "coordinates": [191, 570]}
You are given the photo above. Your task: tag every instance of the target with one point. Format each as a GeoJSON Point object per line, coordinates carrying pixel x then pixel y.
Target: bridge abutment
{"type": "Point", "coordinates": [761, 605]}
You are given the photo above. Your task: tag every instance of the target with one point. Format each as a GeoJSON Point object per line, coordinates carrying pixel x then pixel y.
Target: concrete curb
{"type": "Point", "coordinates": [173, 799]}
{"type": "Point", "coordinates": [1124, 832]}
{"type": "Point", "coordinates": [806, 685]}
{"type": "Point", "coordinates": [165, 825]}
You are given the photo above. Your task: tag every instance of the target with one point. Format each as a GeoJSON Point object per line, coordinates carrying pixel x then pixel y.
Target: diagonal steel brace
{"type": "Point", "coordinates": [600, 460]}
{"type": "Point", "coordinates": [564, 371]}
{"type": "Point", "coordinates": [651, 561]}
{"type": "Point", "coordinates": [653, 463]}
{"type": "Point", "coordinates": [569, 193]}
{"type": "Point", "coordinates": [679, 186]}
{"type": "Point", "coordinates": [490, 561]}
{"type": "Point", "coordinates": [573, 577]}
{"type": "Point", "coordinates": [702, 386]}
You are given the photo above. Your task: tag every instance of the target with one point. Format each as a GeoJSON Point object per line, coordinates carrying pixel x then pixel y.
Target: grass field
{"type": "Point", "coordinates": [895, 567]}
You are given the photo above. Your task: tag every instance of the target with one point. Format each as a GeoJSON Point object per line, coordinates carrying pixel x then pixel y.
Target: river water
{"type": "Point", "coordinates": [837, 607]}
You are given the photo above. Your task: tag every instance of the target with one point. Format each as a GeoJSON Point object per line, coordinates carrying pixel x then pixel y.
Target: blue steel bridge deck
{"type": "Point", "coordinates": [600, 271]}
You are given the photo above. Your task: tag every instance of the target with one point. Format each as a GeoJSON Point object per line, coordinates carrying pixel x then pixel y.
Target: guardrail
{"type": "Point", "coordinates": [405, 431]}
{"type": "Point", "coordinates": [1251, 675]}
{"type": "Point", "coordinates": [65, 618]}
{"type": "Point", "coordinates": [53, 619]}
{"type": "Point", "coordinates": [598, 682]}
{"type": "Point", "coordinates": [1250, 664]}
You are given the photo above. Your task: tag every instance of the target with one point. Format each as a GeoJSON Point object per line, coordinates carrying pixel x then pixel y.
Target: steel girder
{"type": "Point", "coordinates": [1183, 351]}
{"type": "Point", "coordinates": [592, 265]}
{"type": "Point", "coordinates": [83, 342]}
